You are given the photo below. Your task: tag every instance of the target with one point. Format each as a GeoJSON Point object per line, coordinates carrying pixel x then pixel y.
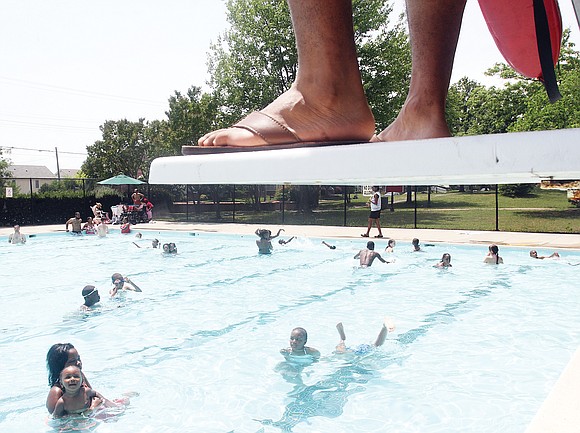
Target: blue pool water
{"type": "Point", "coordinates": [477, 347]}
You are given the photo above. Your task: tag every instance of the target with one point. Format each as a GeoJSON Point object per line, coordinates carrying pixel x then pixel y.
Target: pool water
{"type": "Point", "coordinates": [477, 347]}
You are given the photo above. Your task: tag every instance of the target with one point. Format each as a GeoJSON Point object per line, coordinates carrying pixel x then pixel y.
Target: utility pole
{"type": "Point", "coordinates": [57, 166]}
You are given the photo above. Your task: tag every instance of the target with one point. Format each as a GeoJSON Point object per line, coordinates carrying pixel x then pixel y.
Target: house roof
{"type": "Point", "coordinates": [36, 171]}
{"type": "Point", "coordinates": [68, 172]}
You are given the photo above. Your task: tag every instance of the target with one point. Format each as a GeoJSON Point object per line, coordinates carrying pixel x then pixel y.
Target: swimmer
{"type": "Point", "coordinates": [155, 243]}
{"type": "Point", "coordinates": [534, 254]}
{"type": "Point", "coordinates": [368, 255]}
{"type": "Point", "coordinates": [76, 398]}
{"type": "Point", "coordinates": [492, 256]}
{"type": "Point", "coordinates": [445, 261]}
{"type": "Point", "coordinates": [283, 242]}
{"type": "Point", "coordinates": [91, 297]}
{"type": "Point", "coordinates": [388, 326]}
{"type": "Point", "coordinates": [416, 246]}
{"type": "Point", "coordinates": [122, 283]}
{"type": "Point", "coordinates": [332, 247]}
{"type": "Point", "coordinates": [75, 222]}
{"type": "Point", "coordinates": [16, 237]}
{"type": "Point", "coordinates": [264, 243]}
{"type": "Point", "coordinates": [298, 339]}
{"type": "Point", "coordinates": [390, 246]}
{"type": "Point", "coordinates": [102, 229]}
{"type": "Point", "coordinates": [138, 235]}
{"type": "Point", "coordinates": [170, 248]}
{"type": "Point", "coordinates": [60, 356]}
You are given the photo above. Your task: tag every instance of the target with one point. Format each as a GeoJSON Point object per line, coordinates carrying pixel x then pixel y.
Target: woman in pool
{"type": "Point", "coordinates": [493, 255]}
{"type": "Point", "coordinates": [390, 246]}
{"type": "Point", "coordinates": [298, 339]}
{"type": "Point", "coordinates": [60, 356]}
{"type": "Point", "coordinates": [89, 227]}
{"type": "Point", "coordinates": [264, 243]}
{"type": "Point", "coordinates": [445, 261]}
{"type": "Point", "coordinates": [76, 398]}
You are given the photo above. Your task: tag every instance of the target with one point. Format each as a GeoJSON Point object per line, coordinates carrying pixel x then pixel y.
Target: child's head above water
{"type": "Point", "coordinates": [71, 378]}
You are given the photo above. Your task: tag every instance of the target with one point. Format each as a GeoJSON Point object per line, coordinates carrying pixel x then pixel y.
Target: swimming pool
{"type": "Point", "coordinates": [477, 347]}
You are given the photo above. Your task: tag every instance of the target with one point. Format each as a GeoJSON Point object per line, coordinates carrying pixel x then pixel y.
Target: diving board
{"type": "Point", "coordinates": [523, 157]}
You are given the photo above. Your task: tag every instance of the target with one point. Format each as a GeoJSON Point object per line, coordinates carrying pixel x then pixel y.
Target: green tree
{"type": "Point", "coordinates": [189, 117]}
{"type": "Point", "coordinates": [126, 147]}
{"type": "Point", "coordinates": [255, 60]}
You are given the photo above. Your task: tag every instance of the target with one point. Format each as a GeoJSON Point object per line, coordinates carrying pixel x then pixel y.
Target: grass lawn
{"type": "Point", "coordinates": [543, 211]}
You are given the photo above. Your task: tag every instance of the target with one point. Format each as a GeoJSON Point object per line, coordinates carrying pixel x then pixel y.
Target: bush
{"type": "Point", "coordinates": [517, 189]}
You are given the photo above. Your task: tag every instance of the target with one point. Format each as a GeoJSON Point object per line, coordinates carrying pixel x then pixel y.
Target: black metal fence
{"type": "Point", "coordinates": [36, 201]}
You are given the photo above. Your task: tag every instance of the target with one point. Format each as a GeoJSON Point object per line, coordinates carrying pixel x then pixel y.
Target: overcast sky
{"type": "Point", "coordinates": [67, 66]}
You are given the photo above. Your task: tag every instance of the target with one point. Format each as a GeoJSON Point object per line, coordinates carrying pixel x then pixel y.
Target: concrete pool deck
{"type": "Point", "coordinates": [535, 240]}
{"type": "Point", "coordinates": [560, 412]}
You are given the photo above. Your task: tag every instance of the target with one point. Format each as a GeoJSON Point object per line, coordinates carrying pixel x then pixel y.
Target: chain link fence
{"type": "Point", "coordinates": [39, 201]}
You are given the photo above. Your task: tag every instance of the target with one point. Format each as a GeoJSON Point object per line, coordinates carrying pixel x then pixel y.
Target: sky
{"type": "Point", "coordinates": [67, 66]}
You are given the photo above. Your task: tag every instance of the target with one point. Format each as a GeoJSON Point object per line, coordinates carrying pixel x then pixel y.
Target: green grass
{"type": "Point", "coordinates": [545, 211]}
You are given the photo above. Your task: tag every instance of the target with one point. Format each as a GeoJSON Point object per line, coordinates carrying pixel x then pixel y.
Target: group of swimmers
{"type": "Point", "coordinates": [120, 283]}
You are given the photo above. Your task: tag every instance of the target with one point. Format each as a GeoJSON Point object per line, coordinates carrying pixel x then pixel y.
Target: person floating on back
{"type": "Point", "coordinates": [534, 255]}
{"type": "Point", "coordinates": [361, 349]}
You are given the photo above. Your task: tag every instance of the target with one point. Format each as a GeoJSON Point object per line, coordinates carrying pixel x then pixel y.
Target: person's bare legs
{"type": "Point", "coordinates": [378, 224]}
{"type": "Point", "coordinates": [341, 346]}
{"type": "Point", "coordinates": [327, 101]}
{"type": "Point", "coordinates": [388, 326]}
{"type": "Point", "coordinates": [434, 30]}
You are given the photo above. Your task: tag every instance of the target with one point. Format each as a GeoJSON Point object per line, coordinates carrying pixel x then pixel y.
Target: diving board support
{"type": "Point", "coordinates": [523, 157]}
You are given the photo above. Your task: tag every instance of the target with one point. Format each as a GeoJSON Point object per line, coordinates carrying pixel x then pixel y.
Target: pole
{"type": "Point", "coordinates": [345, 201]}
{"type": "Point", "coordinates": [496, 209]}
{"type": "Point", "coordinates": [415, 206]}
{"type": "Point", "coordinates": [234, 204]}
{"type": "Point", "coordinates": [283, 201]}
{"type": "Point", "coordinates": [57, 166]}
{"type": "Point", "coordinates": [186, 202]}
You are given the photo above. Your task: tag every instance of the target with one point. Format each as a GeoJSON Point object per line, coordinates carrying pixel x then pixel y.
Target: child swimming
{"type": "Point", "coordinates": [77, 398]}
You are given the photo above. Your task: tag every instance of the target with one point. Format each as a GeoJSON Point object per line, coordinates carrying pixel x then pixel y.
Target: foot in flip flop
{"type": "Point", "coordinates": [378, 236]}
{"type": "Point", "coordinates": [364, 235]}
{"type": "Point", "coordinates": [296, 120]}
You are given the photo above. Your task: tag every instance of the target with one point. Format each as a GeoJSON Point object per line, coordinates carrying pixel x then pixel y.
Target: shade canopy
{"type": "Point", "coordinates": [121, 179]}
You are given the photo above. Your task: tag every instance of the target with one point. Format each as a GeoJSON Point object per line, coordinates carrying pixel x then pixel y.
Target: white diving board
{"type": "Point", "coordinates": [526, 157]}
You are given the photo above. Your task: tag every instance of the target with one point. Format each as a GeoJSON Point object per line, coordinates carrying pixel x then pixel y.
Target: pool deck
{"type": "Point", "coordinates": [536, 240]}
{"type": "Point", "coordinates": [560, 412]}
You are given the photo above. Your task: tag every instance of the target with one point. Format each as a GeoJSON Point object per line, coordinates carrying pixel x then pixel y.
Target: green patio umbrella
{"type": "Point", "coordinates": [121, 179]}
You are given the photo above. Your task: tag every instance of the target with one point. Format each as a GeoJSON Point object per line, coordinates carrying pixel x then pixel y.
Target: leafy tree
{"type": "Point", "coordinates": [4, 163]}
{"type": "Point", "coordinates": [189, 117]}
{"type": "Point", "coordinates": [255, 61]}
{"type": "Point", "coordinates": [126, 147]}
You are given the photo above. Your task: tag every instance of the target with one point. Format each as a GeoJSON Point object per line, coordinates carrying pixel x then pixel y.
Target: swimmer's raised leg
{"type": "Point", "coordinates": [388, 326]}
{"type": "Point", "coordinates": [341, 346]}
